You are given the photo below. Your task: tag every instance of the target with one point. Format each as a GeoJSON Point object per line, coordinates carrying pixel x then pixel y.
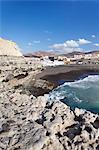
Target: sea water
{"type": "Point", "coordinates": [83, 93]}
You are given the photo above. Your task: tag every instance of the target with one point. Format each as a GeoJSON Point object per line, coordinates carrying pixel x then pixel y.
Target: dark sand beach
{"type": "Point", "coordinates": [60, 74]}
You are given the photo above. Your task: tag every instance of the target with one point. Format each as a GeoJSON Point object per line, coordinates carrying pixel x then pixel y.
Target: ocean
{"type": "Point", "coordinates": [82, 93]}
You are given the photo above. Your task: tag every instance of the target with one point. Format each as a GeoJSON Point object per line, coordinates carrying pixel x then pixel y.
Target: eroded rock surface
{"type": "Point", "coordinates": [34, 123]}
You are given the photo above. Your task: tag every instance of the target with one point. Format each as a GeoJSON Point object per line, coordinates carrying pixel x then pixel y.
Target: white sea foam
{"type": "Point", "coordinates": [83, 93]}
{"type": "Point", "coordinates": [84, 83]}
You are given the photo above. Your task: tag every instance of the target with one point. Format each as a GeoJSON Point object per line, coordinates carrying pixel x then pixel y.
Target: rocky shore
{"type": "Point", "coordinates": [31, 122]}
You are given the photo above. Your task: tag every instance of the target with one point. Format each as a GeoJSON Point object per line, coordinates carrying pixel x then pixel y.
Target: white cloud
{"type": "Point", "coordinates": [47, 32]}
{"type": "Point", "coordinates": [83, 42]}
{"type": "Point", "coordinates": [48, 39]}
{"type": "Point", "coordinates": [67, 44]}
{"type": "Point", "coordinates": [59, 46]}
{"type": "Point", "coordinates": [66, 47]}
{"type": "Point", "coordinates": [71, 43]}
{"type": "Point", "coordinates": [36, 42]}
{"type": "Point", "coordinates": [93, 36]}
{"type": "Point", "coordinates": [30, 44]}
{"type": "Point", "coordinates": [97, 44]}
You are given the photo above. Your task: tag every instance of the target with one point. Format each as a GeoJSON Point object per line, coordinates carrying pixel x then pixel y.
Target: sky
{"type": "Point", "coordinates": [51, 25]}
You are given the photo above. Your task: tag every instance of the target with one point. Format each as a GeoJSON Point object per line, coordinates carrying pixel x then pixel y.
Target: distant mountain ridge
{"type": "Point", "coordinates": [79, 53]}
{"type": "Point", "coordinates": [47, 53]}
{"type": "Point", "coordinates": [39, 54]}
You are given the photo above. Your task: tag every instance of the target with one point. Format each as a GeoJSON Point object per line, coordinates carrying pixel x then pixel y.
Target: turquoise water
{"type": "Point", "coordinates": [83, 93]}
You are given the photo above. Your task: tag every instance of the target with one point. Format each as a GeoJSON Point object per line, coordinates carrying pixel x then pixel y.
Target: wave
{"type": "Point", "coordinates": [92, 80]}
{"type": "Point", "coordinates": [83, 93]}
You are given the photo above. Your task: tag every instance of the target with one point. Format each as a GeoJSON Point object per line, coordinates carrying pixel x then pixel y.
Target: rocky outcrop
{"type": "Point", "coordinates": [30, 123]}
{"type": "Point", "coordinates": [9, 48]}
{"type": "Point", "coordinates": [34, 123]}
{"type": "Point", "coordinates": [38, 87]}
{"type": "Point", "coordinates": [21, 73]}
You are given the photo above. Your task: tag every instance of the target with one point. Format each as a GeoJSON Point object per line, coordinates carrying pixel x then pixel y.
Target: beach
{"type": "Point", "coordinates": [67, 73]}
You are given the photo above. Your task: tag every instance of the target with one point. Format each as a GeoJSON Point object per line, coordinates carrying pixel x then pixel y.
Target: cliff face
{"type": "Point", "coordinates": [9, 48]}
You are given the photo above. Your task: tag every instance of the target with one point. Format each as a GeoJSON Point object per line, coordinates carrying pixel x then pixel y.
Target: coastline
{"type": "Point", "coordinates": [67, 73]}
{"type": "Point", "coordinates": [35, 123]}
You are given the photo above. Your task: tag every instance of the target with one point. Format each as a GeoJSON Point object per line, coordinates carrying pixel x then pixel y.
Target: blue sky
{"type": "Point", "coordinates": [56, 25]}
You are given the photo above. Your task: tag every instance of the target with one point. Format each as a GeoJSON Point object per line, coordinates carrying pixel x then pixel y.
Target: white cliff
{"type": "Point", "coordinates": [9, 48]}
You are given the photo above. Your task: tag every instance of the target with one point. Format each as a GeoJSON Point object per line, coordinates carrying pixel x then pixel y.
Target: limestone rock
{"type": "Point", "coordinates": [37, 123]}
{"type": "Point", "coordinates": [39, 87]}
{"type": "Point", "coordinates": [9, 48]}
